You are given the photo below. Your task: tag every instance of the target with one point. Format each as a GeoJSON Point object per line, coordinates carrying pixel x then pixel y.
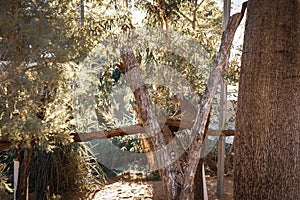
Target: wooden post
{"type": "Point", "coordinates": [221, 144]}
{"type": "Point", "coordinates": [222, 114]}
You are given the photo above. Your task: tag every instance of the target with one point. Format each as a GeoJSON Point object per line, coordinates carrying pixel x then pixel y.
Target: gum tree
{"type": "Point", "coordinates": [267, 135]}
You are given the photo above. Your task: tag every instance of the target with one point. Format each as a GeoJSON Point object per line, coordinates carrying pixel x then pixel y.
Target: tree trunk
{"type": "Point", "coordinates": [198, 128]}
{"type": "Point", "coordinates": [147, 146]}
{"type": "Point", "coordinates": [268, 119]}
{"type": "Point", "coordinates": [134, 79]}
{"type": "Point", "coordinates": [176, 150]}
{"type": "Point", "coordinates": [199, 192]}
{"type": "Point", "coordinates": [22, 188]}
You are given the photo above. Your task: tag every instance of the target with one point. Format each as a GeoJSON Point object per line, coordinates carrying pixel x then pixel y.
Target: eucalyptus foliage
{"type": "Point", "coordinates": [167, 45]}
{"type": "Point", "coordinates": [40, 44]}
{"type": "Point", "coordinates": [38, 41]}
{"type": "Point", "coordinates": [169, 29]}
{"type": "Point", "coordinates": [53, 82]}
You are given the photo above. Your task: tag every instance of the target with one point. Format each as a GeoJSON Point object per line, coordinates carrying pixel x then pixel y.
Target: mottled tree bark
{"type": "Point", "coordinates": [268, 120]}
{"type": "Point", "coordinates": [200, 176]}
{"type": "Point", "coordinates": [205, 104]}
{"type": "Point", "coordinates": [163, 162]}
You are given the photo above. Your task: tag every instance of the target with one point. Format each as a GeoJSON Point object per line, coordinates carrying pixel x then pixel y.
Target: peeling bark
{"type": "Point", "coordinates": [203, 109]}
{"type": "Point", "coordinates": [134, 79]}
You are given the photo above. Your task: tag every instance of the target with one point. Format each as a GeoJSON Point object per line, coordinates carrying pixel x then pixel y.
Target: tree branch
{"type": "Point", "coordinates": [198, 128]}
{"type": "Point", "coordinates": [173, 125]}
{"type": "Point", "coordinates": [184, 16]}
{"type": "Point", "coordinates": [197, 6]}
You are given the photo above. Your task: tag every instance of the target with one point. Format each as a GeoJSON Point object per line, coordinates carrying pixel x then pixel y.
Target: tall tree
{"type": "Point", "coordinates": [38, 39]}
{"type": "Point", "coordinates": [268, 128]}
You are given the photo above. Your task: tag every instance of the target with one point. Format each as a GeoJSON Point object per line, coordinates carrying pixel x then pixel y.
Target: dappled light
{"type": "Point", "coordinates": [149, 100]}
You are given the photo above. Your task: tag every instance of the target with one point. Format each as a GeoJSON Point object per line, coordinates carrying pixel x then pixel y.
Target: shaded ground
{"type": "Point", "coordinates": [140, 190]}
{"type": "Point", "coordinates": [212, 188]}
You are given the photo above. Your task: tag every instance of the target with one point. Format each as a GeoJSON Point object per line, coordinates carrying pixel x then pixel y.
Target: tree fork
{"type": "Point", "coordinates": [203, 109]}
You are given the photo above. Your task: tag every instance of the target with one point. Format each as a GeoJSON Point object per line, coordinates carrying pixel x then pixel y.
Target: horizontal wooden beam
{"type": "Point", "coordinates": [174, 126]}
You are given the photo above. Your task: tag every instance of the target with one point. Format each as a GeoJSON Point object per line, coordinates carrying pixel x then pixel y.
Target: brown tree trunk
{"type": "Point", "coordinates": [198, 194]}
{"type": "Point", "coordinates": [22, 188]}
{"type": "Point", "coordinates": [134, 78]}
{"type": "Point", "coordinates": [268, 119]}
{"type": "Point", "coordinates": [205, 104]}
{"type": "Point", "coordinates": [200, 176]}
{"type": "Point", "coordinates": [147, 146]}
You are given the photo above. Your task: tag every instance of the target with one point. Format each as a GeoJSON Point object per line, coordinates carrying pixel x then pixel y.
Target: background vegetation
{"type": "Point", "coordinates": [41, 45]}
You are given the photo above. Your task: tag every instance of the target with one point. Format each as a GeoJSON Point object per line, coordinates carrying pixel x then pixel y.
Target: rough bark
{"type": "Point", "coordinates": [147, 146]}
{"type": "Point", "coordinates": [267, 138]}
{"type": "Point", "coordinates": [149, 120]}
{"type": "Point", "coordinates": [203, 110]}
{"type": "Point", "coordinates": [198, 190]}
{"type": "Point", "coordinates": [176, 148]}
{"type": "Point", "coordinates": [199, 193]}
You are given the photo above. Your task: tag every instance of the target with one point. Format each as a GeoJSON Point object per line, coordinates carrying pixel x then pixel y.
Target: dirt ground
{"type": "Point", "coordinates": [154, 190]}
